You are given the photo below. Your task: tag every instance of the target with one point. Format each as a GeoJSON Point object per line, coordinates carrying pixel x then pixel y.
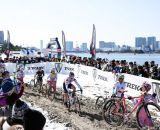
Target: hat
{"type": "Point", "coordinates": [17, 113]}
{"type": "Point", "coordinates": [33, 120]}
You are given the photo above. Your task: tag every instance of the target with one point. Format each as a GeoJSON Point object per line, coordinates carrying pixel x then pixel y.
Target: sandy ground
{"type": "Point", "coordinates": [88, 119]}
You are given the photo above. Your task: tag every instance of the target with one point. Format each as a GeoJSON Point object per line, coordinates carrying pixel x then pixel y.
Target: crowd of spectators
{"type": "Point", "coordinates": [148, 69]}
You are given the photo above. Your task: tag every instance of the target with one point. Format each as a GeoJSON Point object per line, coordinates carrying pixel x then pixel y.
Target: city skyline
{"type": "Point", "coordinates": [117, 21]}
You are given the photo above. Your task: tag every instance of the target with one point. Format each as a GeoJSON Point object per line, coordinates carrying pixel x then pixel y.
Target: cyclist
{"type": "Point", "coordinates": [40, 75]}
{"type": "Point", "coordinates": [52, 78]}
{"type": "Point", "coordinates": [120, 85]}
{"type": "Point", "coordinates": [67, 84]}
{"type": "Point", "coordinates": [145, 88]}
{"type": "Point", "coordinates": [20, 75]}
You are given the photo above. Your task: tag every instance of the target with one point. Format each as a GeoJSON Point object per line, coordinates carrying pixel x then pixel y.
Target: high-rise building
{"type": "Point", "coordinates": [110, 45]}
{"type": "Point", "coordinates": [84, 47]}
{"type": "Point", "coordinates": [157, 47]}
{"type": "Point", "coordinates": [140, 42]}
{"type": "Point", "coordinates": [69, 45]}
{"type": "Point", "coordinates": [103, 44]}
{"type": "Point", "coordinates": [151, 42]}
{"type": "Point", "coordinates": [41, 45]}
{"type": "Point", "coordinates": [1, 37]}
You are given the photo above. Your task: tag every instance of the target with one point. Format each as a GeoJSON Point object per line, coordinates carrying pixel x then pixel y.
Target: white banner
{"type": "Point", "coordinates": [32, 68]}
{"type": "Point", "coordinates": [64, 68]}
{"type": "Point", "coordinates": [11, 67]}
{"type": "Point", "coordinates": [90, 76]}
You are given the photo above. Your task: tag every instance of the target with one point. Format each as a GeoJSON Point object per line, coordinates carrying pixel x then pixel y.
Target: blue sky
{"type": "Point", "coordinates": [30, 21]}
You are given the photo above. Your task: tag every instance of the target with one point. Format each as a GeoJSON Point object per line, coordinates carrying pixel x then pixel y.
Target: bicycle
{"type": "Point", "coordinates": [115, 112]}
{"type": "Point", "coordinates": [101, 100]}
{"type": "Point", "coordinates": [51, 89]}
{"type": "Point", "coordinates": [73, 100]}
{"type": "Point", "coordinates": [37, 85]}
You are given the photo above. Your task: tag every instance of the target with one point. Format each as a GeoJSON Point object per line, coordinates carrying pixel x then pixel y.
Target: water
{"type": "Point", "coordinates": [139, 58]}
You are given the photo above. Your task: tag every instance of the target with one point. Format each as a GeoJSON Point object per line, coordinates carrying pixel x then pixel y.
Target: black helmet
{"type": "Point", "coordinates": [71, 74]}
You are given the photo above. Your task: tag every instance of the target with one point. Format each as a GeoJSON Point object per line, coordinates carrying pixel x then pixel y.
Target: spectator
{"type": "Point", "coordinates": [17, 115]}
{"type": "Point", "coordinates": [33, 120]}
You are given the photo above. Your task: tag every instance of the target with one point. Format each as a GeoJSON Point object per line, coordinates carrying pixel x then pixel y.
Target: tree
{"type": "Point", "coordinates": [11, 47]}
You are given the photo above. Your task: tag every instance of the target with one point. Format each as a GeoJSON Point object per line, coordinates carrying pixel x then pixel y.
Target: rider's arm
{"type": "Point", "coordinates": [115, 88]}
{"type": "Point", "coordinates": [43, 73]}
{"type": "Point", "coordinates": [79, 86]}
{"type": "Point", "coordinates": [35, 74]}
{"type": "Point", "coordinates": [66, 84]}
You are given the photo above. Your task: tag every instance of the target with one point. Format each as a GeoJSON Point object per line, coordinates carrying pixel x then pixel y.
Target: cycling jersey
{"type": "Point", "coordinates": [68, 83]}
{"type": "Point", "coordinates": [52, 77]}
{"type": "Point", "coordinates": [40, 73]}
{"type": "Point", "coordinates": [20, 75]}
{"type": "Point", "coordinates": [118, 86]}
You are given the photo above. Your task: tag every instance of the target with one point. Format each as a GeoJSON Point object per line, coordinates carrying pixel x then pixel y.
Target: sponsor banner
{"type": "Point", "coordinates": [11, 67]}
{"type": "Point", "coordinates": [103, 77]}
{"type": "Point", "coordinates": [156, 89]}
{"type": "Point", "coordinates": [133, 84]}
{"type": "Point", "coordinates": [84, 74]}
{"type": "Point", "coordinates": [64, 68]}
{"type": "Point", "coordinates": [89, 76]}
{"type": "Point", "coordinates": [32, 68]}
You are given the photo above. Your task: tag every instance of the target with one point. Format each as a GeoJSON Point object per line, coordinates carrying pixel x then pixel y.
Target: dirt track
{"type": "Point", "coordinates": [90, 119]}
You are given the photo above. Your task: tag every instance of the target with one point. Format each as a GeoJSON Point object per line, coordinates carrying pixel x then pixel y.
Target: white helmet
{"type": "Point", "coordinates": [53, 70]}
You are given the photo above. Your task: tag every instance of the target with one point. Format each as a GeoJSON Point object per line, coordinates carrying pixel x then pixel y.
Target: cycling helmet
{"type": "Point", "coordinates": [71, 74]}
{"type": "Point", "coordinates": [52, 70]}
{"type": "Point", "coordinates": [147, 86]}
{"type": "Point", "coordinates": [121, 77]}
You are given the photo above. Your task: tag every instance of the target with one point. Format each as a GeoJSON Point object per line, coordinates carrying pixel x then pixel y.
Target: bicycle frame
{"type": "Point", "coordinates": [123, 101]}
{"type": "Point", "coordinates": [70, 97]}
{"type": "Point", "coordinates": [51, 84]}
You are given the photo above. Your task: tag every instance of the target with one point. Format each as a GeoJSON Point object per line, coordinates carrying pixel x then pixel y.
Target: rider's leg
{"type": "Point", "coordinates": [74, 90]}
{"type": "Point", "coordinates": [65, 98]}
{"type": "Point", "coordinates": [65, 95]}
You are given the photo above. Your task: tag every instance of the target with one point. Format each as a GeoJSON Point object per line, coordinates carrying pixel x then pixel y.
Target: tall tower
{"type": "Point", "coordinates": [1, 37]}
{"type": "Point", "coordinates": [41, 45]}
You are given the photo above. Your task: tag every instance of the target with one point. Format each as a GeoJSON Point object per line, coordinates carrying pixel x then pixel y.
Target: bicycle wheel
{"type": "Point", "coordinates": [37, 87]}
{"type": "Point", "coordinates": [51, 93]}
{"type": "Point", "coordinates": [148, 116]}
{"type": "Point", "coordinates": [44, 90]}
{"type": "Point", "coordinates": [32, 83]}
{"type": "Point", "coordinates": [112, 112]}
{"type": "Point", "coordinates": [99, 102]}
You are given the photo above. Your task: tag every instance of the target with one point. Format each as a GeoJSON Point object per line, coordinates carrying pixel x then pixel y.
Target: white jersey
{"type": "Point", "coordinates": [68, 81]}
{"type": "Point", "coordinates": [119, 86]}
{"type": "Point", "coordinates": [20, 74]}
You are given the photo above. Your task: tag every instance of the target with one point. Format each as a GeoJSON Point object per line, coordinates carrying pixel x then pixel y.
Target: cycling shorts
{"type": "Point", "coordinates": [64, 87]}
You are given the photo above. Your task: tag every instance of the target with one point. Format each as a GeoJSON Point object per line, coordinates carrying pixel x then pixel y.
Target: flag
{"type": "Point", "coordinates": [58, 48]}
{"type": "Point", "coordinates": [8, 44]}
{"type": "Point", "coordinates": [64, 43]}
{"type": "Point", "coordinates": [93, 43]}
